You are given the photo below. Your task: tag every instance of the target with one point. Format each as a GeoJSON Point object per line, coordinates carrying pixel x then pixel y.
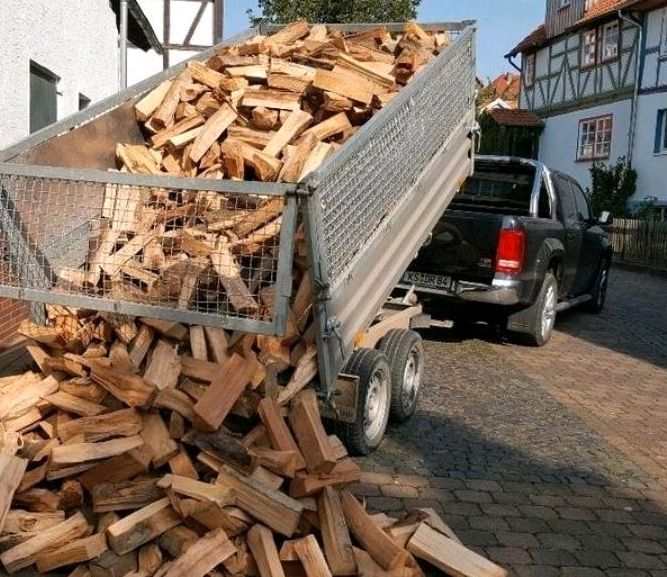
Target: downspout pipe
{"type": "Point", "coordinates": [635, 96]}
{"type": "Point", "coordinates": [122, 44]}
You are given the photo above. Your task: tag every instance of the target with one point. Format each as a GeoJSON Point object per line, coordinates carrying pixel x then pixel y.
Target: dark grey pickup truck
{"type": "Point", "coordinates": [517, 245]}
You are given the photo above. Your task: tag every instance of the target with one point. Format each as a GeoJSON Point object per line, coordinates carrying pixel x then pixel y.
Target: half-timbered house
{"type": "Point", "coordinates": [596, 73]}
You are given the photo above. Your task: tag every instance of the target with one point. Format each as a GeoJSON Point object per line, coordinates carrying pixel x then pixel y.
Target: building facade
{"type": "Point", "coordinates": [54, 61]}
{"type": "Point", "coordinates": [58, 57]}
{"type": "Point", "coordinates": [596, 73]}
{"type": "Point", "coordinates": [184, 28]}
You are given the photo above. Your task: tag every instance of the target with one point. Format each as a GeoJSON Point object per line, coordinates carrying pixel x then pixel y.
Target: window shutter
{"type": "Point", "coordinates": [43, 98]}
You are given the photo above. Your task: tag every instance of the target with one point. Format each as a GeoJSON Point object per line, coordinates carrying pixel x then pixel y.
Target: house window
{"type": "Point", "coordinates": [610, 41]}
{"type": "Point", "coordinates": [595, 138]}
{"type": "Point", "coordinates": [661, 133]}
{"type": "Point", "coordinates": [84, 101]}
{"type": "Point", "coordinates": [43, 97]}
{"type": "Point", "coordinates": [529, 70]}
{"type": "Point", "coordinates": [589, 50]}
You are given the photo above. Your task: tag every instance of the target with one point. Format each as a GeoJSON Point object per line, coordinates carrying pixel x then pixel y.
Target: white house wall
{"type": "Point", "coordinates": [651, 167]}
{"type": "Point", "coordinates": [76, 40]}
{"type": "Point", "coordinates": [141, 65]}
{"type": "Point", "coordinates": [559, 141]}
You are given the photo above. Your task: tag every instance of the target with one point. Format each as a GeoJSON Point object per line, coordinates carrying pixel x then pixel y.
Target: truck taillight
{"type": "Point", "coordinates": [511, 251]}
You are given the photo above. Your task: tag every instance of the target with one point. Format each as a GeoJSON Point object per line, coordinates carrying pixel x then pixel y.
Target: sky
{"type": "Point", "coordinates": [501, 24]}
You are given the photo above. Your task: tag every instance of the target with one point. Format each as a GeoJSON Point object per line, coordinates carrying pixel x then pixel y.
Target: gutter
{"type": "Point", "coordinates": [635, 97]}
{"type": "Point", "coordinates": [510, 59]}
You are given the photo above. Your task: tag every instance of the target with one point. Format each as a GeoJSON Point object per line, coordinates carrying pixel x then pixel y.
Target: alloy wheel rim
{"type": "Point", "coordinates": [376, 405]}
{"type": "Point", "coordinates": [602, 288]}
{"type": "Point", "coordinates": [411, 379]}
{"type": "Point", "coordinates": [549, 312]}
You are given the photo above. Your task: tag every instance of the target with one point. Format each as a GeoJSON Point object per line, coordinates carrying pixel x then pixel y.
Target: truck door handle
{"type": "Point", "coordinates": [571, 236]}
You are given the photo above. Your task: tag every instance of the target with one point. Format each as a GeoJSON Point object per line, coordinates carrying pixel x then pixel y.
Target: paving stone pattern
{"type": "Point", "coordinates": [524, 476]}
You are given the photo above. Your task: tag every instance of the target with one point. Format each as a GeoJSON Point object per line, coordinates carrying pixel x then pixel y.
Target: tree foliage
{"type": "Point", "coordinates": [337, 10]}
{"type": "Point", "coordinates": [613, 186]}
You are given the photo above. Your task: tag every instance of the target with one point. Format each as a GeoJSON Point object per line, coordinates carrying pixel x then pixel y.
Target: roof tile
{"type": "Point", "coordinates": [514, 117]}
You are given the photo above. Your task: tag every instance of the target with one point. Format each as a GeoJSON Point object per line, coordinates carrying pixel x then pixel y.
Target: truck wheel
{"type": "Point", "coordinates": [364, 435]}
{"type": "Point", "coordinates": [599, 292]}
{"type": "Point", "coordinates": [405, 352]}
{"type": "Point", "coordinates": [534, 325]}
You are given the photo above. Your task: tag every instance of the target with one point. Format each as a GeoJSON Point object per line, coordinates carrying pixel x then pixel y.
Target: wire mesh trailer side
{"type": "Point", "coordinates": [148, 246]}
{"type": "Point", "coordinates": [374, 203]}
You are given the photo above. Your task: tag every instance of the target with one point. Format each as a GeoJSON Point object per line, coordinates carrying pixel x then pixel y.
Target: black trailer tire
{"type": "Point", "coordinates": [405, 351]}
{"type": "Point", "coordinates": [364, 435]}
{"type": "Point", "coordinates": [534, 325]}
{"type": "Point", "coordinates": [599, 290]}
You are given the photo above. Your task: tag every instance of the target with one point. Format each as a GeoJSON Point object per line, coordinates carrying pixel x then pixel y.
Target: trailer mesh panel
{"type": "Point", "coordinates": [166, 248]}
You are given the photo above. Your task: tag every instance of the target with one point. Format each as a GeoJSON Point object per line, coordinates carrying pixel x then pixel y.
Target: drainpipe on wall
{"type": "Point", "coordinates": [123, 43]}
{"type": "Point", "coordinates": [635, 97]}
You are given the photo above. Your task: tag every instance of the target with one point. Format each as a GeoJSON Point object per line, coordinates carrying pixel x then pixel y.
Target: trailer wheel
{"type": "Point", "coordinates": [364, 435]}
{"type": "Point", "coordinates": [405, 352]}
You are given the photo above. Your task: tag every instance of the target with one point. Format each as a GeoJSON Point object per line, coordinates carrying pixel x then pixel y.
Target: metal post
{"type": "Point", "coordinates": [219, 21]}
{"type": "Point", "coordinates": [123, 44]}
{"type": "Point", "coordinates": [166, 33]}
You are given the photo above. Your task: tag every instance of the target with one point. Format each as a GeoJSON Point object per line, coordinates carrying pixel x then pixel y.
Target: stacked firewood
{"type": "Point", "coordinates": [274, 108]}
{"type": "Point", "coordinates": [143, 448]}
{"type": "Point", "coordinates": [271, 109]}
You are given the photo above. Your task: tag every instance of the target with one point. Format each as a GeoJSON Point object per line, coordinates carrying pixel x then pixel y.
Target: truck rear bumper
{"type": "Point", "coordinates": [501, 292]}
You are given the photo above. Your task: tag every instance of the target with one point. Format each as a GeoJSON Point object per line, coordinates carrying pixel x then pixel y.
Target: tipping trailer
{"type": "Point", "coordinates": [366, 212]}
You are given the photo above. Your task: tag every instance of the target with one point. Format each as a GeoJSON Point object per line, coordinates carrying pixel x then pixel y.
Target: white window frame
{"type": "Point", "coordinates": [595, 138]}
{"type": "Point", "coordinates": [589, 48]}
{"type": "Point", "coordinates": [610, 50]}
{"type": "Point", "coordinates": [529, 63]}
{"type": "Point", "coordinates": [661, 140]}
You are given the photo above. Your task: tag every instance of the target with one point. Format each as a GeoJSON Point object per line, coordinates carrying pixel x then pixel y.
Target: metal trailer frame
{"type": "Point", "coordinates": [366, 211]}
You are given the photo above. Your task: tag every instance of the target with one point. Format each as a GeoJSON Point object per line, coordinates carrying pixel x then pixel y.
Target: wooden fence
{"type": "Point", "coordinates": [640, 242]}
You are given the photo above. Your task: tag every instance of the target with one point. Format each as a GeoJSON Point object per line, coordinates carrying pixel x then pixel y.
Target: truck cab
{"type": "Point", "coordinates": [517, 244]}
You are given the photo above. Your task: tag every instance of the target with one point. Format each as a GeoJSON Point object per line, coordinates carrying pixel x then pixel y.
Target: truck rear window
{"type": "Point", "coordinates": [505, 190]}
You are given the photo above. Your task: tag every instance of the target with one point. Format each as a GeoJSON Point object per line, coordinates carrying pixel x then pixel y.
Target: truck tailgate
{"type": "Point", "coordinates": [463, 246]}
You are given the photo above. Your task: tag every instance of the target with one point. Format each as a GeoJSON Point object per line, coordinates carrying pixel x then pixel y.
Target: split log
{"type": "Point", "coordinates": [449, 556]}
{"type": "Point", "coordinates": [214, 406]}
{"type": "Point", "coordinates": [26, 553]}
{"type": "Point", "coordinates": [264, 550]}
{"type": "Point", "coordinates": [203, 556]}
{"type": "Point", "coordinates": [271, 507]}
{"type": "Point", "coordinates": [376, 542]}
{"type": "Point", "coordinates": [142, 526]}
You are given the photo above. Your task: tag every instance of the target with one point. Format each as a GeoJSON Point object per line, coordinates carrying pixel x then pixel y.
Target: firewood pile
{"type": "Point", "coordinates": [141, 447]}
{"type": "Point", "coordinates": [271, 109]}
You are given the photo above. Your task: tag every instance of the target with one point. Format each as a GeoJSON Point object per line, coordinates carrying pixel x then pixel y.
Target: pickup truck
{"type": "Point", "coordinates": [517, 245]}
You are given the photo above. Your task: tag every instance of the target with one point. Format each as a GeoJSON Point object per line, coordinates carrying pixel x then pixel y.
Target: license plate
{"type": "Point", "coordinates": [427, 280]}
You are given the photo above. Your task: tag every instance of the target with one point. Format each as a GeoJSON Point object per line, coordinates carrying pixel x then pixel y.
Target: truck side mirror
{"type": "Point", "coordinates": [605, 218]}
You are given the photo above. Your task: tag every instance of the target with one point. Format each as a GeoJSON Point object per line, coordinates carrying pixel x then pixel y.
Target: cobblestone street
{"type": "Point", "coordinates": [549, 460]}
